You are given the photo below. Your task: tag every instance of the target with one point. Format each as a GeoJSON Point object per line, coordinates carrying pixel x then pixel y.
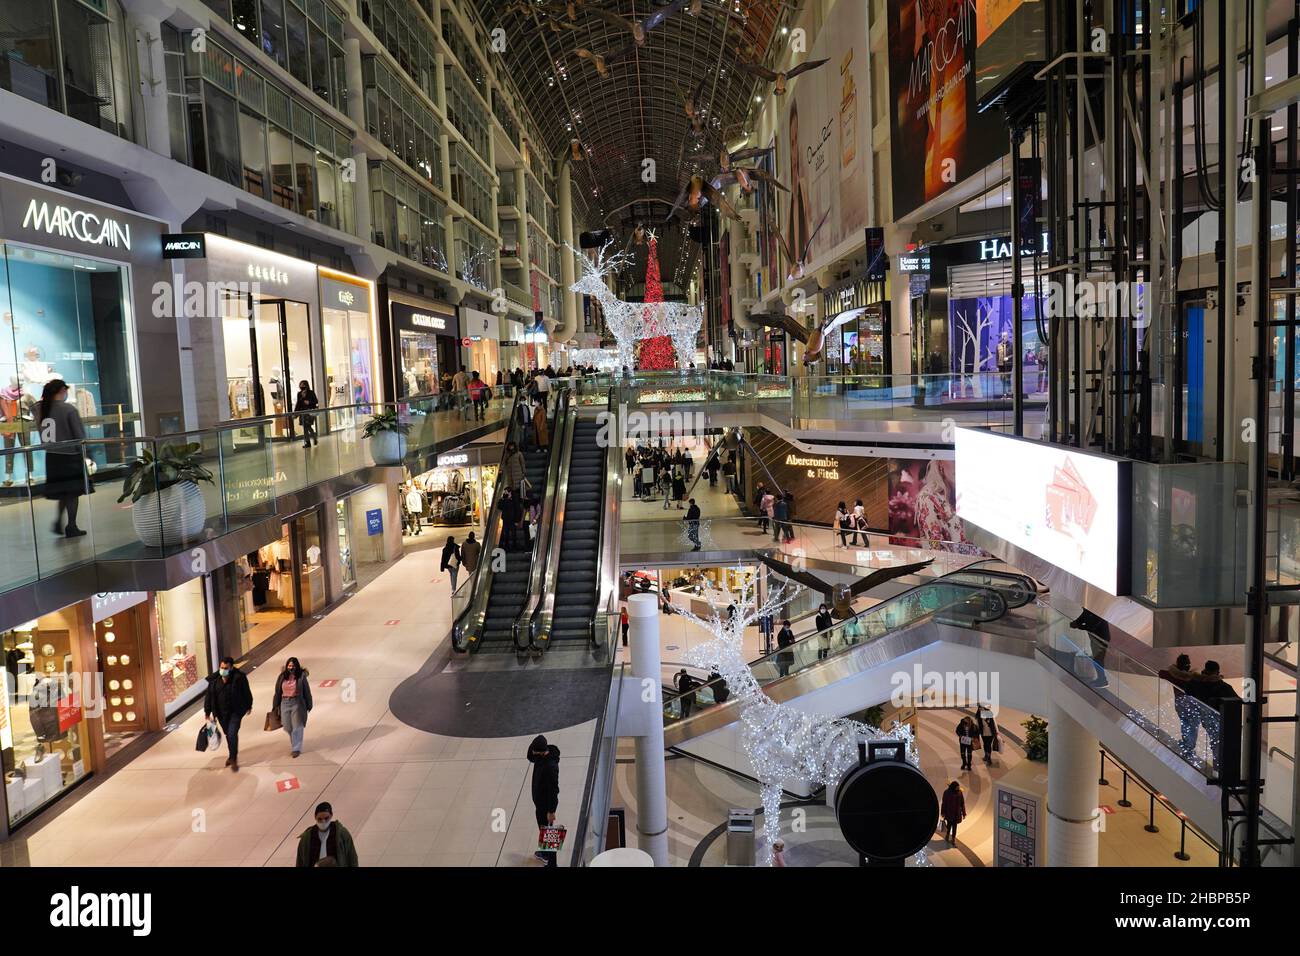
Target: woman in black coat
{"type": "Point", "coordinates": [307, 402]}
{"type": "Point", "coordinates": [451, 560]}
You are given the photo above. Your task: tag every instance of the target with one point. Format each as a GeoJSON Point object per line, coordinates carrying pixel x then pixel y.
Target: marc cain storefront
{"type": "Point", "coordinates": [77, 280]}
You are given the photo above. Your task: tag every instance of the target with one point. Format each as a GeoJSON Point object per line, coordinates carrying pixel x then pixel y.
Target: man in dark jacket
{"type": "Point", "coordinates": [512, 513]}
{"type": "Point", "coordinates": [692, 519]}
{"type": "Point", "coordinates": [545, 759]}
{"type": "Point", "coordinates": [228, 698]}
{"type": "Point", "coordinates": [784, 639]}
{"type": "Point", "coordinates": [1211, 689]}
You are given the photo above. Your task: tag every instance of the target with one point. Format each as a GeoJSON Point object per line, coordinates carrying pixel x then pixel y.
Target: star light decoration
{"type": "Point", "coordinates": [631, 322]}
{"type": "Point", "coordinates": [704, 533]}
{"type": "Point", "coordinates": [782, 743]}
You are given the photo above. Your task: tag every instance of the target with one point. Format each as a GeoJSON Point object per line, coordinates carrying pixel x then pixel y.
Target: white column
{"type": "Point", "coordinates": [651, 785]}
{"type": "Point", "coordinates": [154, 128]}
{"type": "Point", "coordinates": [356, 110]}
{"type": "Point", "coordinates": [1072, 807]}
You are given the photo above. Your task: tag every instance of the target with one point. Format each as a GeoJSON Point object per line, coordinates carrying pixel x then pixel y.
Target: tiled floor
{"type": "Point", "coordinates": [410, 798]}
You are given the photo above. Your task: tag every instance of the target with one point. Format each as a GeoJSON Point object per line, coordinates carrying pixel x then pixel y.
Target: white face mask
{"type": "Point", "coordinates": [323, 826]}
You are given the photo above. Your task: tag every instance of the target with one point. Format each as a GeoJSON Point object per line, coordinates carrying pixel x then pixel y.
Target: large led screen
{"type": "Point", "coordinates": [1060, 504]}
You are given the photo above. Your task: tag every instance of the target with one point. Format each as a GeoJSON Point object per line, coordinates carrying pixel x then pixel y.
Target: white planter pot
{"type": "Point", "coordinates": [388, 448]}
{"type": "Point", "coordinates": [179, 508]}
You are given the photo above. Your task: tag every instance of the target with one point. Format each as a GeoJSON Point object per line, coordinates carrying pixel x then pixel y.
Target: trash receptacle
{"type": "Point", "coordinates": [740, 837]}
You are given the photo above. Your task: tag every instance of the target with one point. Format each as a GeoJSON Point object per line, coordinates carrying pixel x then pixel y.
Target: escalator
{"type": "Point", "coordinates": [499, 593]}
{"type": "Point", "coordinates": [893, 628]}
{"type": "Point", "coordinates": [576, 592]}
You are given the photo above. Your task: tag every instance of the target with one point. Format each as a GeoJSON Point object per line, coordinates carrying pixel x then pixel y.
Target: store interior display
{"type": "Point", "coordinates": [122, 667]}
{"type": "Point", "coordinates": [266, 591]}
{"type": "Point", "coordinates": [66, 318]}
{"type": "Point", "coordinates": [348, 373]}
{"type": "Point", "coordinates": [347, 565]}
{"type": "Point", "coordinates": [267, 354]}
{"type": "Point", "coordinates": [182, 639]}
{"type": "Point", "coordinates": [41, 733]}
{"type": "Point", "coordinates": [447, 497]}
{"type": "Point", "coordinates": [419, 357]}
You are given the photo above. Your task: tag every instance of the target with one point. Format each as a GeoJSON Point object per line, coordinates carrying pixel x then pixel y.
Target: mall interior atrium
{"type": "Point", "coordinates": [658, 433]}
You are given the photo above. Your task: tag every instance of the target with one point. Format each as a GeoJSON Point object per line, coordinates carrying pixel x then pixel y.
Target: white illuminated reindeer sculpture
{"type": "Point", "coordinates": [630, 322]}
{"type": "Point", "coordinates": [782, 743]}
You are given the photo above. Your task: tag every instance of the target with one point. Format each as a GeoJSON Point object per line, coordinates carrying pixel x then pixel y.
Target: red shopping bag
{"type": "Point", "coordinates": [551, 838]}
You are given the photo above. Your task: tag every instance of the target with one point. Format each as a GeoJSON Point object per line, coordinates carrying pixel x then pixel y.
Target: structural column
{"type": "Point", "coordinates": [651, 786]}
{"type": "Point", "coordinates": [1072, 808]}
{"type": "Point", "coordinates": [356, 109]}
{"type": "Point", "coordinates": [568, 299]}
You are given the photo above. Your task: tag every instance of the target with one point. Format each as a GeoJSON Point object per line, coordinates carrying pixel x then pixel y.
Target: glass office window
{"type": "Point", "coordinates": [273, 42]}
{"type": "Point", "coordinates": [281, 152]}
{"type": "Point", "coordinates": [296, 31]}
{"type": "Point", "coordinates": [224, 161]}
{"type": "Point", "coordinates": [252, 149]}
{"type": "Point", "coordinates": [70, 58]}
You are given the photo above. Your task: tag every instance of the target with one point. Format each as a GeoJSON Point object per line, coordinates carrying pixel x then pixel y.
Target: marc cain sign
{"type": "Point", "coordinates": [79, 224]}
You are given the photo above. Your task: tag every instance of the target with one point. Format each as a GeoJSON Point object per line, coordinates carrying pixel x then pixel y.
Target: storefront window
{"type": "Point", "coordinates": [67, 318]}
{"type": "Point", "coordinates": [349, 365]}
{"type": "Point", "coordinates": [267, 599]}
{"type": "Point", "coordinates": [267, 354]}
{"type": "Point", "coordinates": [42, 734]}
{"type": "Point", "coordinates": [347, 567]}
{"type": "Point", "coordinates": [183, 654]}
{"type": "Point", "coordinates": [456, 494]}
{"type": "Point", "coordinates": [419, 359]}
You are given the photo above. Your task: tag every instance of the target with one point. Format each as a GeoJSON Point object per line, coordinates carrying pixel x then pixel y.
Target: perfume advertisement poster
{"type": "Point", "coordinates": [923, 505]}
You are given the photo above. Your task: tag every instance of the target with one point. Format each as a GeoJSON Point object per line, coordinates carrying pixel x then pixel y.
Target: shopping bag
{"type": "Point", "coordinates": [273, 721]}
{"type": "Point", "coordinates": [201, 745]}
{"type": "Point", "coordinates": [551, 838]}
{"type": "Point", "coordinates": [214, 736]}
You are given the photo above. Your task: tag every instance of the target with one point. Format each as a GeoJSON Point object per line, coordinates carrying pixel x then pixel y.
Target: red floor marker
{"type": "Point", "coordinates": [391, 623]}
{"type": "Point", "coordinates": [327, 683]}
{"type": "Point", "coordinates": [284, 786]}
{"type": "Point", "coordinates": [1106, 808]}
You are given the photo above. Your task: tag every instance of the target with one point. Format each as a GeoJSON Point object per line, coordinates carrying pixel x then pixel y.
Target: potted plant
{"type": "Point", "coordinates": [1035, 738]}
{"type": "Point", "coordinates": [164, 493]}
{"type": "Point", "coordinates": [387, 434]}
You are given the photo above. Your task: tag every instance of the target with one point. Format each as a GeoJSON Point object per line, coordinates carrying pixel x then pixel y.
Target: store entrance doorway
{"type": "Point", "coordinates": [268, 352]}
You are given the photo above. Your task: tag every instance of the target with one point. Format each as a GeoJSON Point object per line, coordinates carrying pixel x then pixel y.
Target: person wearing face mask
{"type": "Point", "coordinates": [824, 622]}
{"type": "Point", "coordinates": [228, 699]}
{"type": "Point", "coordinates": [328, 843]}
{"type": "Point", "coordinates": [293, 702]}
{"type": "Point", "coordinates": [545, 758]}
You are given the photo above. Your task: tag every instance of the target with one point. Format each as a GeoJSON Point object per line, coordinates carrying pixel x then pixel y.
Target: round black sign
{"type": "Point", "coordinates": [886, 809]}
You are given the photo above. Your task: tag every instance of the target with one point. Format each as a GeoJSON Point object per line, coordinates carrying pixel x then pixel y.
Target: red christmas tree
{"type": "Point", "coordinates": [656, 351]}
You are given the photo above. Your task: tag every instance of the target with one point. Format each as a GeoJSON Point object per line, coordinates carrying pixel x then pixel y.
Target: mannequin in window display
{"type": "Point", "coordinates": [1004, 360]}
{"type": "Point", "coordinates": [15, 411]}
{"type": "Point", "coordinates": [276, 390]}
{"type": "Point", "coordinates": [35, 370]}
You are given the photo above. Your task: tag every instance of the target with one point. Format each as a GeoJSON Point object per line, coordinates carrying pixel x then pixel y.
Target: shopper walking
{"type": "Point", "coordinates": [967, 733]}
{"type": "Point", "coordinates": [692, 519]}
{"type": "Point", "coordinates": [328, 843]}
{"type": "Point", "coordinates": [451, 560]}
{"type": "Point", "coordinates": [228, 699]}
{"type": "Point", "coordinates": [470, 552]}
{"type": "Point", "coordinates": [860, 524]}
{"type": "Point", "coordinates": [629, 457]}
{"type": "Point", "coordinates": [306, 404]}
{"type": "Point", "coordinates": [788, 527]}
{"type": "Point", "coordinates": [685, 685]}
{"type": "Point", "coordinates": [784, 656]}
{"type": "Point", "coordinates": [760, 495]}
{"type": "Point", "coordinates": [780, 511]}
{"type": "Point", "coordinates": [953, 811]}
{"type": "Point", "coordinates": [545, 758]}
{"type": "Point", "coordinates": [988, 732]}
{"type": "Point", "coordinates": [292, 701]}
{"type": "Point", "coordinates": [66, 479]}
{"type": "Point", "coordinates": [623, 624]}
{"type": "Point", "coordinates": [844, 522]}
{"type": "Point", "coordinates": [478, 396]}
{"type": "Point", "coordinates": [679, 487]}
{"type": "Point", "coordinates": [765, 507]}
{"type": "Point", "coordinates": [460, 389]}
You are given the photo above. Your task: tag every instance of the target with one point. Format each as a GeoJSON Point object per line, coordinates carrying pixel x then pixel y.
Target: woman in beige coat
{"type": "Point", "coordinates": [539, 426]}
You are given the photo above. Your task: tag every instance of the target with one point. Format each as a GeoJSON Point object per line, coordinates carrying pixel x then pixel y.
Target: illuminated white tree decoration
{"type": "Point", "coordinates": [474, 266]}
{"type": "Point", "coordinates": [604, 360]}
{"type": "Point", "coordinates": [782, 743]}
{"type": "Point", "coordinates": [631, 322]}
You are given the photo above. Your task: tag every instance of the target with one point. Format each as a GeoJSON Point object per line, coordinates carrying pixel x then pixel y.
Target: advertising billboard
{"type": "Point", "coordinates": [826, 139]}
{"type": "Point", "coordinates": [1011, 42]}
{"type": "Point", "coordinates": [1059, 503]}
{"type": "Point", "coordinates": [937, 135]}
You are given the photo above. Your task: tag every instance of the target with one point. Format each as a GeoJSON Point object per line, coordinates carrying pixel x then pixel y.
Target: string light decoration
{"type": "Point", "coordinates": [704, 533]}
{"type": "Point", "coordinates": [782, 743]}
{"type": "Point", "coordinates": [631, 322]}
{"type": "Point", "coordinates": [656, 351]}
{"type": "Point", "coordinates": [604, 360]}
{"type": "Point", "coordinates": [473, 268]}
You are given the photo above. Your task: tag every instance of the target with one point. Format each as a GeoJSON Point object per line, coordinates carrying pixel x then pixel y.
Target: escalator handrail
{"type": "Point", "coordinates": [1030, 591]}
{"type": "Point", "coordinates": [550, 530]}
{"type": "Point", "coordinates": [480, 582]}
{"type": "Point", "coordinates": [790, 648]}
{"type": "Point", "coordinates": [608, 525]}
